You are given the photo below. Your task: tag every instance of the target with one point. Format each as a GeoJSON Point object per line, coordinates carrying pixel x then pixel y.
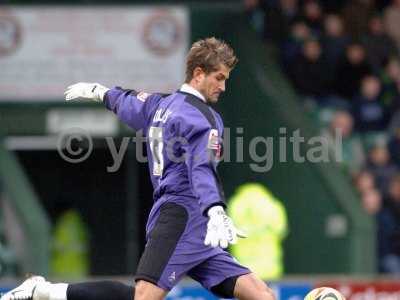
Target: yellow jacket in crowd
{"type": "Point", "coordinates": [258, 213]}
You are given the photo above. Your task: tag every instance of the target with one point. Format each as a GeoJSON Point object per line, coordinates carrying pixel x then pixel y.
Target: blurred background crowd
{"type": "Point", "coordinates": [342, 58]}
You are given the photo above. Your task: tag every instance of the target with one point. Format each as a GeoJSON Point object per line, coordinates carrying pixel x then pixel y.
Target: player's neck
{"type": "Point", "coordinates": [191, 88]}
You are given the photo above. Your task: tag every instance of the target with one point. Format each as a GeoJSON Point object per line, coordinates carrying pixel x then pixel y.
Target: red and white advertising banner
{"type": "Point", "coordinates": [43, 49]}
{"type": "Point", "coordinates": [367, 290]}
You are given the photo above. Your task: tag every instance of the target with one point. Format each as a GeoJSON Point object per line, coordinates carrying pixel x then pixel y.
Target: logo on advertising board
{"type": "Point", "coordinates": [385, 290]}
{"type": "Point", "coordinates": [10, 33]}
{"type": "Point", "coordinates": [162, 33]}
{"type": "Point", "coordinates": [189, 293]}
{"type": "Point", "coordinates": [292, 291]}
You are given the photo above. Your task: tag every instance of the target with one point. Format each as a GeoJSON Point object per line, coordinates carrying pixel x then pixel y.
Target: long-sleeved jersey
{"type": "Point", "coordinates": [183, 140]}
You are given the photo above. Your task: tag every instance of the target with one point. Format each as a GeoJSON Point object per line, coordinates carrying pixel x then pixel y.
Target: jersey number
{"type": "Point", "coordinates": [156, 148]}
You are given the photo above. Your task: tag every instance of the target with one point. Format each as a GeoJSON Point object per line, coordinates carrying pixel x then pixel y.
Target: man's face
{"type": "Point", "coordinates": [213, 84]}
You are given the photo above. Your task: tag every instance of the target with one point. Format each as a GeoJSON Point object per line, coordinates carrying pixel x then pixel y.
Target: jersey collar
{"type": "Point", "coordinates": [190, 90]}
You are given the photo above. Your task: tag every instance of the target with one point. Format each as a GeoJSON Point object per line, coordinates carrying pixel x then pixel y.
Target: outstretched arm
{"type": "Point", "coordinates": [130, 106]}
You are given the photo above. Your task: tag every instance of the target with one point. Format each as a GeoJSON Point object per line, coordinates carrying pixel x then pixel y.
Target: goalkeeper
{"type": "Point", "coordinates": [187, 229]}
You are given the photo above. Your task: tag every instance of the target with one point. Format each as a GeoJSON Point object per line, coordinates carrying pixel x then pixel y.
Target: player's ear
{"type": "Point", "coordinates": [198, 73]}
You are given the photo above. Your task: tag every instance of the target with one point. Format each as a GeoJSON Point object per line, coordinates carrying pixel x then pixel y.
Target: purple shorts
{"type": "Point", "coordinates": [175, 247]}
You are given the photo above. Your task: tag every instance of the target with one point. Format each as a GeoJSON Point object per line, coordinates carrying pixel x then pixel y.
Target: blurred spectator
{"type": "Point", "coordinates": [379, 46]}
{"type": "Point", "coordinates": [356, 14]}
{"type": "Point", "coordinates": [394, 147]}
{"type": "Point", "coordinates": [308, 70]}
{"type": "Point", "coordinates": [333, 6]}
{"type": "Point", "coordinates": [389, 230]}
{"type": "Point", "coordinates": [393, 198]}
{"type": "Point", "coordinates": [368, 111]}
{"type": "Point", "coordinates": [392, 21]}
{"type": "Point", "coordinates": [351, 70]}
{"type": "Point", "coordinates": [276, 27]}
{"type": "Point", "coordinates": [70, 246]}
{"type": "Point", "coordinates": [381, 167]}
{"type": "Point", "coordinates": [387, 226]}
{"type": "Point", "coordinates": [352, 151]}
{"type": "Point", "coordinates": [313, 15]}
{"type": "Point", "coordinates": [390, 77]}
{"type": "Point", "coordinates": [299, 32]}
{"type": "Point", "coordinates": [290, 9]}
{"type": "Point", "coordinates": [334, 41]}
{"type": "Point", "coordinates": [364, 181]}
{"type": "Point", "coordinates": [263, 217]}
{"type": "Point", "coordinates": [272, 19]}
{"type": "Point", "coordinates": [371, 201]}
{"type": "Point", "coordinates": [255, 14]}
{"type": "Point", "coordinates": [382, 4]}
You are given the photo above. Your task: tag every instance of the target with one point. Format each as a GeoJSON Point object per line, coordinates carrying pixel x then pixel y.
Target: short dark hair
{"type": "Point", "coordinates": [209, 54]}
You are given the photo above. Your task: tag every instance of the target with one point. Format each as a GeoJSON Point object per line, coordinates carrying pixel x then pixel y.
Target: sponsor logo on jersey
{"type": "Point", "coordinates": [214, 143]}
{"type": "Point", "coordinates": [142, 96]}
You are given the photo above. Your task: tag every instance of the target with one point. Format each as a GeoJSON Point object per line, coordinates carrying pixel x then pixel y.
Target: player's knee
{"type": "Point", "coordinates": [147, 291]}
{"type": "Point", "coordinates": [268, 294]}
{"type": "Point", "coordinates": [139, 291]}
{"type": "Point", "coordinates": [142, 290]}
{"type": "Point", "coordinates": [250, 287]}
{"type": "Point", "coordinates": [264, 292]}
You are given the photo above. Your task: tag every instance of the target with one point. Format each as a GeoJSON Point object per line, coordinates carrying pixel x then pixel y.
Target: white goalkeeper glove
{"type": "Point", "coordinates": [89, 91]}
{"type": "Point", "coordinates": [220, 229]}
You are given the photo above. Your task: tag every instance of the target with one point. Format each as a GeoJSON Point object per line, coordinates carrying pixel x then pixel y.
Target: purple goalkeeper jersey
{"type": "Point", "coordinates": [183, 140]}
{"type": "Point", "coordinates": [183, 148]}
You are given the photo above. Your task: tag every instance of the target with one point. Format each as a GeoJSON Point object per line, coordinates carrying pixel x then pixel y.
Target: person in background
{"type": "Point", "coordinates": [263, 217]}
{"type": "Point", "coordinates": [372, 204]}
{"type": "Point", "coordinates": [394, 146]}
{"type": "Point", "coordinates": [390, 78]}
{"type": "Point", "coordinates": [364, 181]}
{"type": "Point", "coordinates": [308, 71]}
{"type": "Point", "coordinates": [371, 201]}
{"type": "Point", "coordinates": [278, 18]}
{"type": "Point", "coordinates": [291, 48]}
{"type": "Point", "coordinates": [356, 14]}
{"type": "Point", "coordinates": [352, 150]}
{"type": "Point", "coordinates": [334, 40]}
{"type": "Point", "coordinates": [368, 110]}
{"type": "Point", "coordinates": [379, 46]}
{"type": "Point", "coordinates": [333, 6]}
{"type": "Point", "coordinates": [290, 9]}
{"type": "Point", "coordinates": [70, 246]}
{"type": "Point", "coordinates": [389, 230]}
{"type": "Point", "coordinates": [255, 13]}
{"type": "Point", "coordinates": [381, 167]}
{"type": "Point", "coordinates": [391, 19]}
{"type": "Point", "coordinates": [313, 16]}
{"type": "Point", "coordinates": [271, 19]}
{"type": "Point", "coordinates": [351, 69]}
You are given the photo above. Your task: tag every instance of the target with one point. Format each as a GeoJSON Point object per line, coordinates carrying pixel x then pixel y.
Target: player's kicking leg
{"type": "Point", "coordinates": [37, 288]}
{"type": "Point", "coordinates": [223, 276]}
{"type": "Point", "coordinates": [249, 287]}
